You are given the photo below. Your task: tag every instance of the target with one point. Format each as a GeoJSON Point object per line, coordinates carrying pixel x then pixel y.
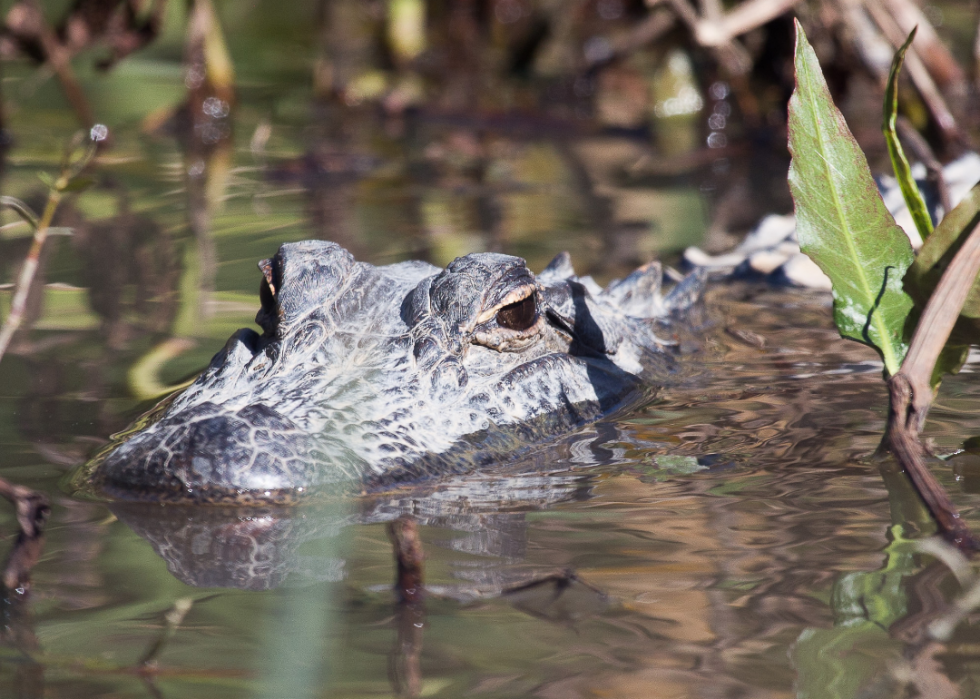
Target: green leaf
{"type": "Point", "coordinates": [47, 179]}
{"type": "Point", "coordinates": [22, 209]}
{"type": "Point", "coordinates": [951, 359]}
{"type": "Point", "coordinates": [675, 463]}
{"type": "Point", "coordinates": [937, 252]}
{"type": "Point", "coordinates": [900, 164]}
{"type": "Point", "coordinates": [78, 184]}
{"type": "Point", "coordinates": [841, 221]}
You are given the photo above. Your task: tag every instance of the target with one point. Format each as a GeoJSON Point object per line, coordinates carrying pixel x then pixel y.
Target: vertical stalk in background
{"type": "Point", "coordinates": [68, 181]}
{"type": "Point", "coordinates": [27, 271]}
{"type": "Point", "coordinates": [406, 29]}
{"type": "Point", "coordinates": [206, 132]}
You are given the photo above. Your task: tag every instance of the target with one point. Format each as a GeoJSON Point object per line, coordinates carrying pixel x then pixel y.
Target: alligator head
{"type": "Point", "coordinates": [372, 375]}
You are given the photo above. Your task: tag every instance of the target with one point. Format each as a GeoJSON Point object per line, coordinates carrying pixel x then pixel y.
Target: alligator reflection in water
{"type": "Point", "coordinates": [262, 548]}
{"type": "Point", "coordinates": [257, 548]}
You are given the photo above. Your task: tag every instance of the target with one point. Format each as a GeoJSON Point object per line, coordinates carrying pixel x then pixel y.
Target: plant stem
{"type": "Point", "coordinates": [27, 271]}
{"type": "Point", "coordinates": [404, 535]}
{"type": "Point", "coordinates": [936, 323]}
{"type": "Point", "coordinates": [172, 621]}
{"type": "Point", "coordinates": [911, 394]}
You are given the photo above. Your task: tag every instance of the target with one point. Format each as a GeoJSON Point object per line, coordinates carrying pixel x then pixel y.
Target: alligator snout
{"type": "Point", "coordinates": [197, 453]}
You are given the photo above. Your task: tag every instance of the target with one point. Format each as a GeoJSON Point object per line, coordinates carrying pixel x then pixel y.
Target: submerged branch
{"type": "Point", "coordinates": [409, 558]}
{"type": "Point", "coordinates": [404, 663]}
{"type": "Point", "coordinates": [171, 622]}
{"type": "Point", "coordinates": [32, 513]}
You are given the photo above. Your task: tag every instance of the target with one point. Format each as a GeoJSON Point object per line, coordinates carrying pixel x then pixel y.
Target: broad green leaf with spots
{"type": "Point", "coordinates": [841, 221]}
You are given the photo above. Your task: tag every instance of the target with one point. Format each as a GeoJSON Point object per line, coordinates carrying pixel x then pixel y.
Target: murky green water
{"type": "Point", "coordinates": [734, 538]}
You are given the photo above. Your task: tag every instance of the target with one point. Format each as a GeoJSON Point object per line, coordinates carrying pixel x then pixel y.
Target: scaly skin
{"type": "Point", "coordinates": [365, 376]}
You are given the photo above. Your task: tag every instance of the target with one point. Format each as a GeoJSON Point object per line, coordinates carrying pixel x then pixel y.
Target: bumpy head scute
{"type": "Point", "coordinates": [305, 277]}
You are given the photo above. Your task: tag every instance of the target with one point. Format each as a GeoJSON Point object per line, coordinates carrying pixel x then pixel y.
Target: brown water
{"type": "Point", "coordinates": [735, 538]}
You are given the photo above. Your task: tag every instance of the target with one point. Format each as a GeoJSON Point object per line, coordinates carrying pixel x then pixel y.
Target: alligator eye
{"type": "Point", "coordinates": [518, 316]}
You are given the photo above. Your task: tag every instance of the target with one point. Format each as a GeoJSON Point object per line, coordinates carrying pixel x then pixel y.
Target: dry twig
{"type": "Point", "coordinates": [72, 165]}
{"type": "Point", "coordinates": [650, 29]}
{"type": "Point", "coordinates": [917, 71]}
{"type": "Point", "coordinates": [938, 59]}
{"type": "Point", "coordinates": [26, 21]}
{"type": "Point", "coordinates": [729, 53]}
{"type": "Point", "coordinates": [119, 24]}
{"type": "Point", "coordinates": [742, 19]}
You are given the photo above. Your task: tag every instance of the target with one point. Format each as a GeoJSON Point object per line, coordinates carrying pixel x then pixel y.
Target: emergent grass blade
{"type": "Point", "coordinates": [900, 164]}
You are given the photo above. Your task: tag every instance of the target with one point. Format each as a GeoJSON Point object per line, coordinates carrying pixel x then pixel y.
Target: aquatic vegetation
{"type": "Point", "coordinates": [846, 229]}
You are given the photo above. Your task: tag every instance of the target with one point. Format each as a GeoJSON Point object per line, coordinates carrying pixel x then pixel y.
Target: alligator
{"type": "Point", "coordinates": [367, 376]}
